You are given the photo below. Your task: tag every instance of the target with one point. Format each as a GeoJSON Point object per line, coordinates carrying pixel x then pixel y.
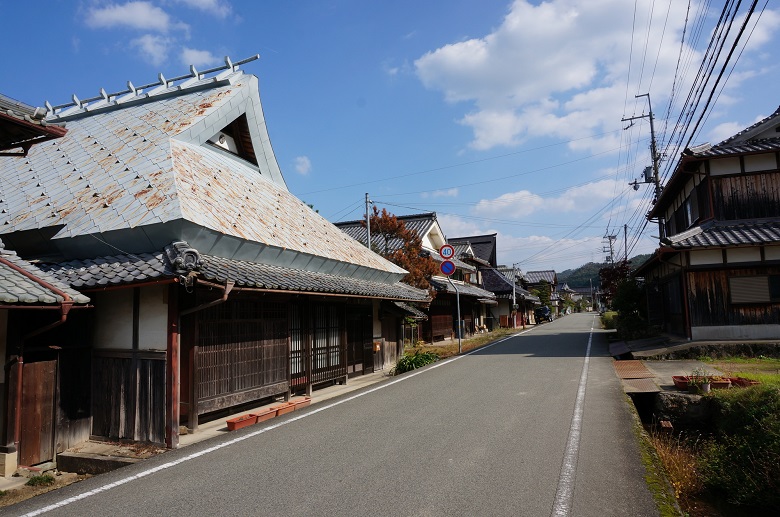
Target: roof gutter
{"type": "Point", "coordinates": [65, 305]}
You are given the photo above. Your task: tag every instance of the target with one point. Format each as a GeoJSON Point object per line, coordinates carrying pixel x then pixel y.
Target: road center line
{"type": "Point", "coordinates": [314, 411]}
{"type": "Point", "coordinates": [565, 492]}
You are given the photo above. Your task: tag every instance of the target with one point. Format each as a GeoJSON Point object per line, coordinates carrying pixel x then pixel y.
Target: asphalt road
{"type": "Point", "coordinates": [526, 427]}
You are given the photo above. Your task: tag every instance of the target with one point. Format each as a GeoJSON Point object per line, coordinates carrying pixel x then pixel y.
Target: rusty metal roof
{"type": "Point", "coordinates": [136, 171]}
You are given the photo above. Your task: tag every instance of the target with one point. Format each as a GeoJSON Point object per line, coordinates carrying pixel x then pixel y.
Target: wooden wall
{"type": "Point", "coordinates": [709, 299]}
{"type": "Point", "coordinates": [128, 395]}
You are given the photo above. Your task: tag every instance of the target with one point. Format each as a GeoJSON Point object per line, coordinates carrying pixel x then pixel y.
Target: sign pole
{"type": "Point", "coordinates": [460, 329]}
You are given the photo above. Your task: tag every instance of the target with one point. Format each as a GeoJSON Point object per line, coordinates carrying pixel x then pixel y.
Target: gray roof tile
{"type": "Point", "coordinates": [128, 269]}
{"type": "Point", "coordinates": [729, 233]}
{"type": "Point", "coordinates": [18, 288]}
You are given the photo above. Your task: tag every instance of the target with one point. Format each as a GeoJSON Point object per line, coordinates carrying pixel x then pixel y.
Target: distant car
{"type": "Point", "coordinates": [542, 314]}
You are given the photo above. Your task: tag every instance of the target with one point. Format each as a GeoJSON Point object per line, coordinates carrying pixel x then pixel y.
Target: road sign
{"type": "Point", "coordinates": [447, 251]}
{"type": "Point", "coordinates": [447, 267]}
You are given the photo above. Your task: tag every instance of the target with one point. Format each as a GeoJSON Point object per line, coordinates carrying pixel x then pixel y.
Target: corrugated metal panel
{"type": "Point", "coordinates": [632, 369]}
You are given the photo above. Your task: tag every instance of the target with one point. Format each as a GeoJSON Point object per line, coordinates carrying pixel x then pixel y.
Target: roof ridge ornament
{"type": "Point", "coordinates": [162, 84]}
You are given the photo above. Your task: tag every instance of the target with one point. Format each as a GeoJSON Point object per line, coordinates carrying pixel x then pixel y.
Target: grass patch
{"type": "Point", "coordinates": [446, 349]}
{"type": "Point", "coordinates": [656, 478]}
{"type": "Point", "coordinates": [609, 320]}
{"type": "Point", "coordinates": [42, 480]}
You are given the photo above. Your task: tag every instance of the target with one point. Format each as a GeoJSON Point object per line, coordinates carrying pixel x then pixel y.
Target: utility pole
{"type": "Point", "coordinates": [625, 242]}
{"type": "Point", "coordinates": [655, 158]}
{"type": "Point", "coordinates": [368, 220]}
{"type": "Point", "coordinates": [610, 248]}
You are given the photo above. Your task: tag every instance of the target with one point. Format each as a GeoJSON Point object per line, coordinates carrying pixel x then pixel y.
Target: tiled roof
{"type": "Point", "coordinates": [418, 223]}
{"type": "Point", "coordinates": [138, 171]}
{"type": "Point", "coordinates": [495, 281]}
{"type": "Point", "coordinates": [746, 133]}
{"type": "Point", "coordinates": [23, 283]}
{"type": "Point", "coordinates": [414, 311]}
{"type": "Point", "coordinates": [483, 246]}
{"type": "Point", "coordinates": [23, 126]}
{"type": "Point", "coordinates": [753, 146]}
{"type": "Point", "coordinates": [729, 233]}
{"type": "Point", "coordinates": [534, 277]}
{"type": "Point", "coordinates": [465, 289]}
{"type": "Point", "coordinates": [179, 259]}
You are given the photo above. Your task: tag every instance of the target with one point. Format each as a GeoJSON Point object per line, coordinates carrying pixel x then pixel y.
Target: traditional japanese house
{"type": "Point", "coordinates": [213, 286]}
{"type": "Point", "coordinates": [716, 274]}
{"type": "Point", "coordinates": [465, 281]}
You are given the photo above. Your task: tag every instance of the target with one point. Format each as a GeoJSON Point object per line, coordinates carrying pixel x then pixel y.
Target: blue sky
{"type": "Point", "coordinates": [500, 116]}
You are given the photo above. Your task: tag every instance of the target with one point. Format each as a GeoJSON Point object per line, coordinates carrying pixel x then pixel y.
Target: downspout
{"type": "Point", "coordinates": [225, 292]}
{"type": "Point", "coordinates": [172, 373]}
{"type": "Point", "coordinates": [65, 305]}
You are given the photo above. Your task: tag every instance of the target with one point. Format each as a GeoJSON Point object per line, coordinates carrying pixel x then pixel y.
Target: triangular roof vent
{"type": "Point", "coordinates": [235, 139]}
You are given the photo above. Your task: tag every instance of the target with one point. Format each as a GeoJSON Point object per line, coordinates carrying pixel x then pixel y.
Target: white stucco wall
{"type": "Point", "coordinates": [725, 166]}
{"type": "Point", "coordinates": [772, 253]}
{"type": "Point", "coordinates": [153, 329]}
{"type": "Point", "coordinates": [114, 317]}
{"type": "Point", "coordinates": [743, 255]}
{"type": "Point", "coordinates": [706, 257]}
{"type": "Point", "coordinates": [760, 162]}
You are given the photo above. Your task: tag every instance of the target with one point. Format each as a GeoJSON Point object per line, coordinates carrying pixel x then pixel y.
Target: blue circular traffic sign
{"type": "Point", "coordinates": [447, 267]}
{"type": "Point", "coordinates": [447, 251]}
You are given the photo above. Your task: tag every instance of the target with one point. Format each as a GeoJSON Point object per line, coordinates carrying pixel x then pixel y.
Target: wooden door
{"type": "Point", "coordinates": [36, 443]}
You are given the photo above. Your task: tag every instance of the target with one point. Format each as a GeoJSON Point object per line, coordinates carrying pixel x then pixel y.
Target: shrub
{"type": "Point", "coordinates": [741, 461]}
{"type": "Point", "coordinates": [413, 361]}
{"type": "Point", "coordinates": [608, 320]}
{"type": "Point", "coordinates": [42, 480]}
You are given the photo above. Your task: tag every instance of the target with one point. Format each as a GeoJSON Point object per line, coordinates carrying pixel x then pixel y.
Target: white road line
{"type": "Point", "coordinates": [565, 492]}
{"type": "Point", "coordinates": [222, 445]}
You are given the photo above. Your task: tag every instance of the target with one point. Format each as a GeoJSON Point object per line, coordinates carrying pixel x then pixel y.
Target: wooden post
{"type": "Point", "coordinates": [172, 381]}
{"type": "Point", "coordinates": [193, 415]}
{"type": "Point", "coordinates": [306, 330]}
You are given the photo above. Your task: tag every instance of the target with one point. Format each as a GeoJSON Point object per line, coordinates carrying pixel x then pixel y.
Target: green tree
{"type": "Point", "coordinates": [543, 292]}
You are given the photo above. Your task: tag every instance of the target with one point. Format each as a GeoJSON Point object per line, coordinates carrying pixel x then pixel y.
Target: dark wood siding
{"type": "Point", "coordinates": [128, 395]}
{"type": "Point", "coordinates": [746, 196]}
{"type": "Point", "coordinates": [710, 304]}
{"type": "Point", "coordinates": [241, 353]}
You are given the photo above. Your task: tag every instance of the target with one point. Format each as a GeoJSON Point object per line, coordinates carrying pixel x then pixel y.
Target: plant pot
{"type": "Point", "coordinates": [742, 382]}
{"type": "Point", "coordinates": [283, 409]}
{"type": "Point", "coordinates": [240, 422]}
{"type": "Point", "coordinates": [680, 382]}
{"type": "Point", "coordinates": [265, 414]}
{"type": "Point", "coordinates": [301, 403]}
{"type": "Point", "coordinates": [720, 384]}
{"type": "Point", "coordinates": [699, 389]}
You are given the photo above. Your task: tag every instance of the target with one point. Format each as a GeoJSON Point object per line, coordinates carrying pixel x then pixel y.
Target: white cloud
{"type": "Point", "coordinates": [559, 69]}
{"type": "Point", "coordinates": [303, 165]}
{"type": "Point", "coordinates": [583, 199]}
{"type": "Point", "coordinates": [134, 15]}
{"type": "Point", "coordinates": [219, 8]}
{"type": "Point", "coordinates": [154, 49]}
{"type": "Point", "coordinates": [511, 205]}
{"type": "Point", "coordinates": [198, 58]}
{"type": "Point", "coordinates": [451, 192]}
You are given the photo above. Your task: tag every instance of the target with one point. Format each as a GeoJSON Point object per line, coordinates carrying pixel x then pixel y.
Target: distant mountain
{"type": "Point", "coordinates": [582, 276]}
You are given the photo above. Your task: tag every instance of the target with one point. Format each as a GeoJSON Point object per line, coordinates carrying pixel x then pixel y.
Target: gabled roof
{"type": "Point", "coordinates": [761, 137]}
{"type": "Point", "coordinates": [23, 283]}
{"type": "Point", "coordinates": [483, 246]}
{"type": "Point", "coordinates": [179, 259]}
{"type": "Point", "coordinates": [420, 224]}
{"type": "Point", "coordinates": [140, 169]}
{"type": "Point", "coordinates": [535, 277]}
{"type": "Point", "coordinates": [499, 283]}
